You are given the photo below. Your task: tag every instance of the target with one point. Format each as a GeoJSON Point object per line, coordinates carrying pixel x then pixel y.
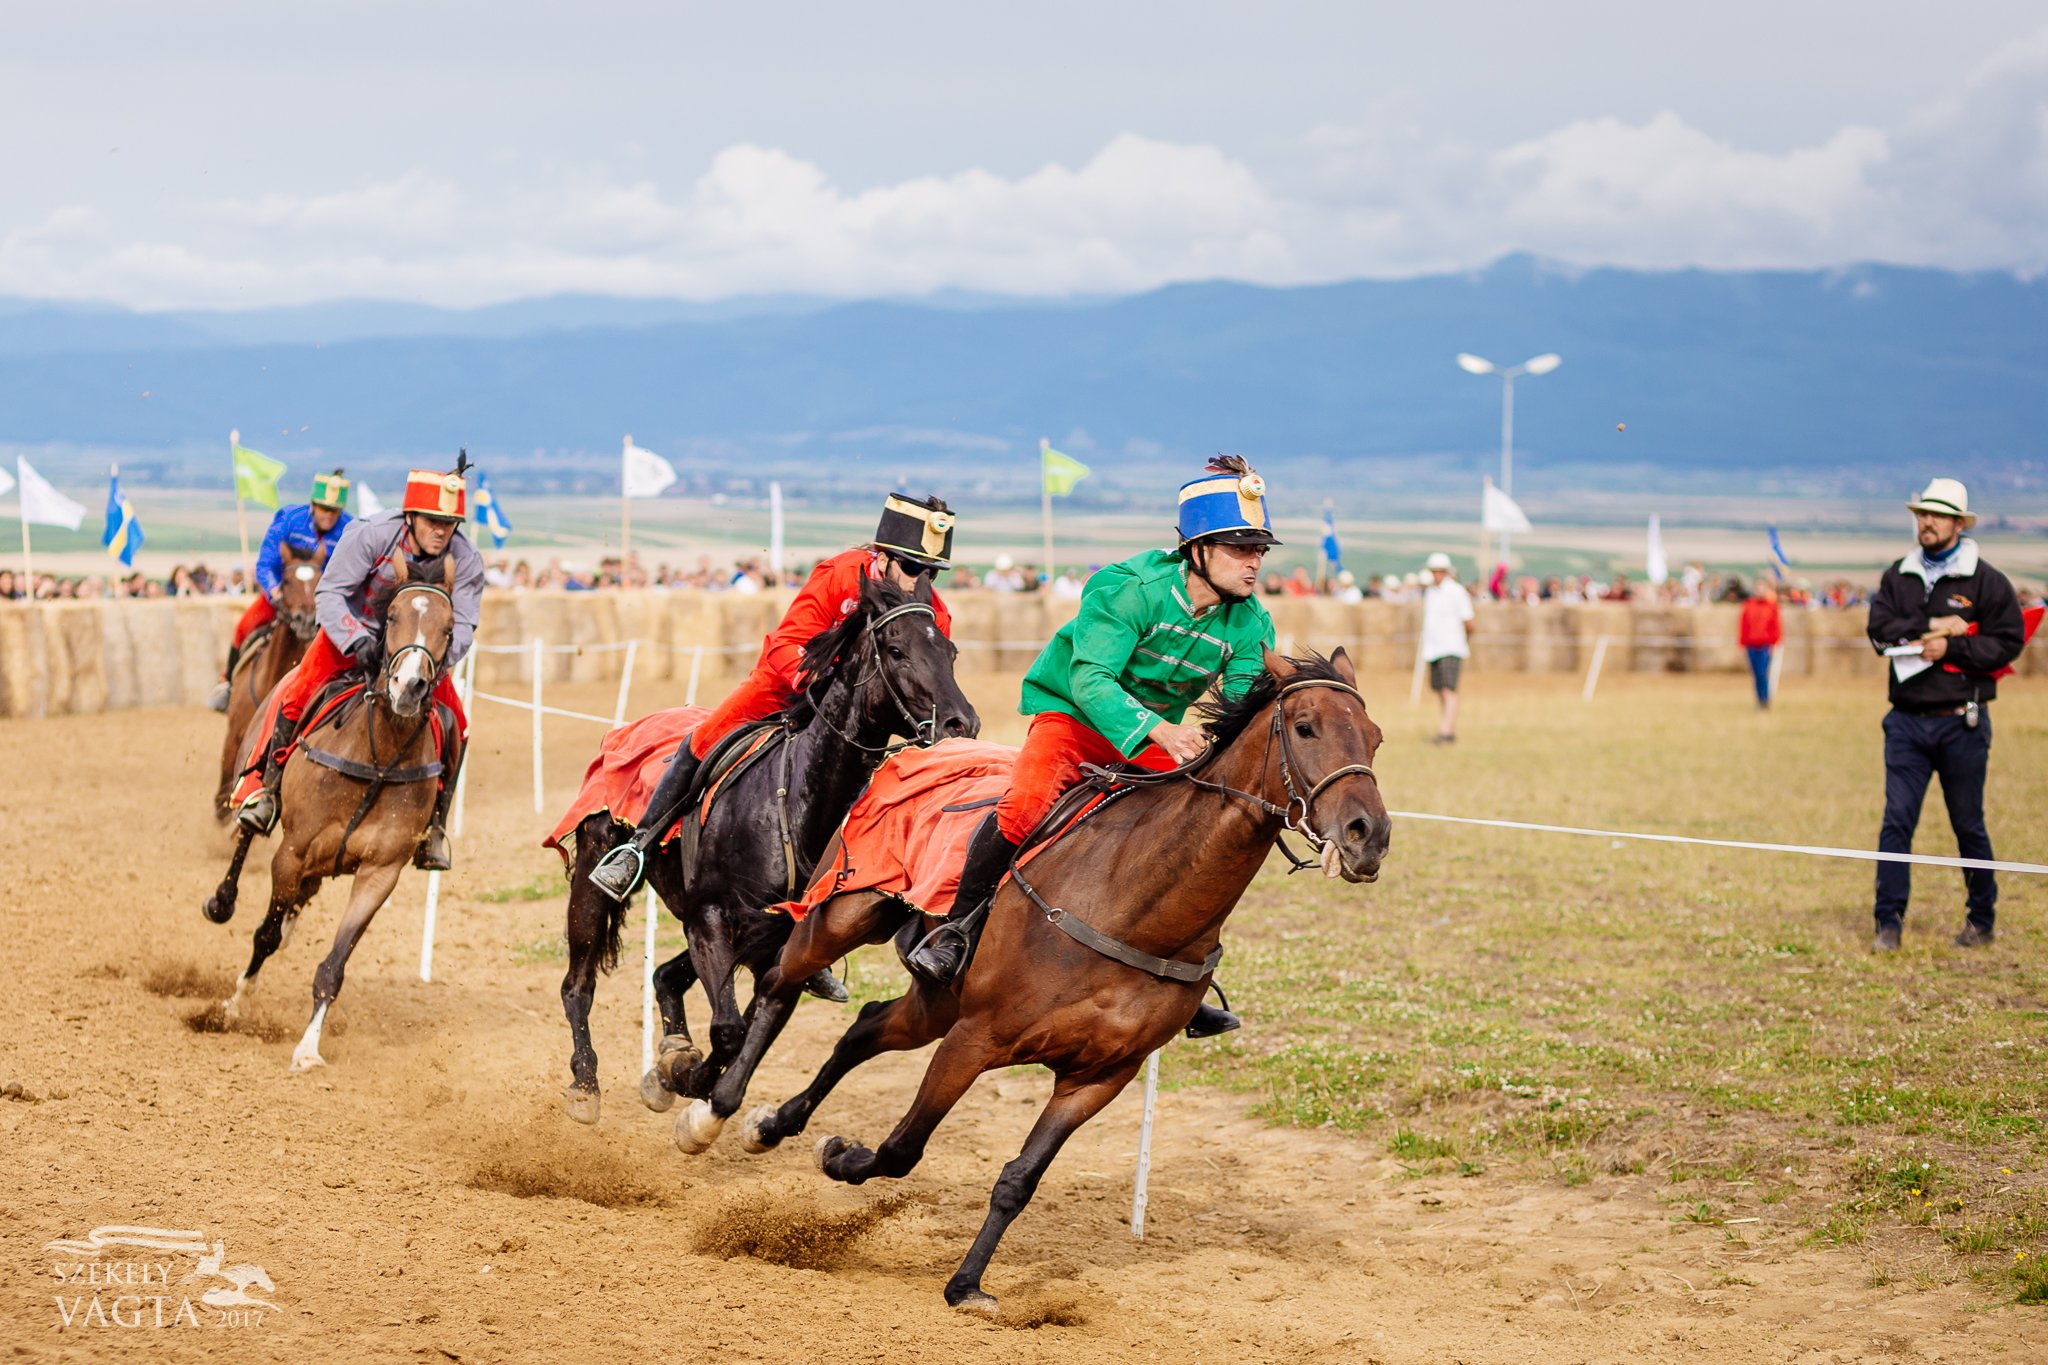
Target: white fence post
{"type": "Point", "coordinates": [465, 687]}
{"type": "Point", "coordinates": [1145, 1147]}
{"type": "Point", "coordinates": [1415, 684]}
{"type": "Point", "coordinates": [625, 683]}
{"type": "Point", "coordinates": [696, 671]}
{"type": "Point", "coordinates": [1777, 670]}
{"type": "Point", "coordinates": [1593, 673]}
{"type": "Point", "coordinates": [647, 988]}
{"type": "Point", "coordinates": [539, 650]}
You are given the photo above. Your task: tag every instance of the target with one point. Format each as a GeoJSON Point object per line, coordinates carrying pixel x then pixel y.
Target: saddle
{"type": "Point", "coordinates": [731, 757]}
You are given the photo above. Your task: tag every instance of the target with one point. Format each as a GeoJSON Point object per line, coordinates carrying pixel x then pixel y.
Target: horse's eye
{"type": "Point", "coordinates": [1304, 729]}
{"type": "Point", "coordinates": [897, 654]}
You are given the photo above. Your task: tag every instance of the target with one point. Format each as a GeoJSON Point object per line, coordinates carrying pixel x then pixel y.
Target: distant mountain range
{"type": "Point", "coordinates": [1719, 378]}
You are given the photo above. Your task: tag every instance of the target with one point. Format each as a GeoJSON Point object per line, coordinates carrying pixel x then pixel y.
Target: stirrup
{"type": "Point", "coordinates": [606, 879]}
{"type": "Point", "coordinates": [258, 814]}
{"type": "Point", "coordinates": [826, 986]}
{"type": "Point", "coordinates": [940, 973]}
{"type": "Point", "coordinates": [431, 854]}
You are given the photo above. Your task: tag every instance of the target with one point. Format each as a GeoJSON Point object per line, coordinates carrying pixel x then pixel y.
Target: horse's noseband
{"type": "Point", "coordinates": [434, 661]}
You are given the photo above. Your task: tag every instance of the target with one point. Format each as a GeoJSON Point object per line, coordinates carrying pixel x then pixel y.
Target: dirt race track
{"type": "Point", "coordinates": [422, 1198]}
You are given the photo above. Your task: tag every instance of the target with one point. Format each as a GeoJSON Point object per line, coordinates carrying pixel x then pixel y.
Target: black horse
{"type": "Point", "coordinates": [886, 670]}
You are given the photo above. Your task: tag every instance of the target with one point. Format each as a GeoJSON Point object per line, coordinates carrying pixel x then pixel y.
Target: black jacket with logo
{"type": "Point", "coordinates": [1967, 587]}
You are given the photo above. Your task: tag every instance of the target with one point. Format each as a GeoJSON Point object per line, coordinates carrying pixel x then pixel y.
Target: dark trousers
{"type": "Point", "coordinates": [1760, 672]}
{"type": "Point", "coordinates": [1915, 749]}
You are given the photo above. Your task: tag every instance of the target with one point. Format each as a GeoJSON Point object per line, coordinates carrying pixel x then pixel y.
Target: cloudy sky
{"type": "Point", "coordinates": [220, 153]}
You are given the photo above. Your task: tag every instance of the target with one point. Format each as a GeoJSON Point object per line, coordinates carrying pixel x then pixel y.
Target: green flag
{"type": "Point", "coordinates": [256, 476]}
{"type": "Point", "coordinates": [1061, 472]}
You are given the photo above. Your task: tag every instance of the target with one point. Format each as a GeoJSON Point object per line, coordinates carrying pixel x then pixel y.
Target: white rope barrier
{"type": "Point", "coordinates": [1809, 850]}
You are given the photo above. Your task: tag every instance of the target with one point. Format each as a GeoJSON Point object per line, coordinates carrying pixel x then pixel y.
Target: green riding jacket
{"type": "Point", "coordinates": [1138, 654]}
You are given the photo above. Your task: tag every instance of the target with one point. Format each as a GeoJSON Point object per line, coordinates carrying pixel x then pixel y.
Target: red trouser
{"type": "Point", "coordinates": [260, 613]}
{"type": "Point", "coordinates": [1054, 749]}
{"type": "Point", "coordinates": [762, 695]}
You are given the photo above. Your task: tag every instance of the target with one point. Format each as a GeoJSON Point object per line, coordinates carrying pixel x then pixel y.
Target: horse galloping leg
{"type": "Point", "coordinates": [290, 888]}
{"type": "Point", "coordinates": [593, 927]}
{"type": "Point", "coordinates": [959, 1061]}
{"type": "Point", "coordinates": [898, 1025]}
{"type": "Point", "coordinates": [676, 1055]}
{"type": "Point", "coordinates": [220, 906]}
{"type": "Point", "coordinates": [372, 887]}
{"type": "Point", "coordinates": [1072, 1105]}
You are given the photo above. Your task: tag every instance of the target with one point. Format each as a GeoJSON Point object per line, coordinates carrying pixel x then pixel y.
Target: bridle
{"type": "Point", "coordinates": [434, 661]}
{"type": "Point", "coordinates": [1298, 815]}
{"type": "Point", "coordinates": [923, 732]}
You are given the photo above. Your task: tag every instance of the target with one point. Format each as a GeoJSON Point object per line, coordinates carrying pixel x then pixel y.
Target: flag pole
{"type": "Point", "coordinates": [28, 562]}
{"type": "Point", "coordinates": [625, 507]}
{"type": "Point", "coordinates": [241, 513]}
{"type": "Point", "coordinates": [1045, 507]}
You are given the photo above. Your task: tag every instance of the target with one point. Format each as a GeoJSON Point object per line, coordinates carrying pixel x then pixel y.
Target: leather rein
{"type": "Point", "coordinates": [923, 733]}
{"type": "Point", "coordinates": [1301, 823]}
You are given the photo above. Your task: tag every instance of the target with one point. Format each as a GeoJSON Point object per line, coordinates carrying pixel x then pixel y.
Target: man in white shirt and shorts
{"type": "Point", "coordinates": [1446, 607]}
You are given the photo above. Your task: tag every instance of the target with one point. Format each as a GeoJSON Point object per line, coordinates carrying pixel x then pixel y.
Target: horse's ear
{"type": "Point", "coordinates": [325, 549]}
{"type": "Point", "coordinates": [400, 572]}
{"type": "Point", "coordinates": [871, 594]}
{"type": "Point", "coordinates": [923, 591]}
{"type": "Point", "coordinates": [1342, 663]}
{"type": "Point", "coordinates": [448, 572]}
{"type": "Point", "coordinates": [1277, 665]}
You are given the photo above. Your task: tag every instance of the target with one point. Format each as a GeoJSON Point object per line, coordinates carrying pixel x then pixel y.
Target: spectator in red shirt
{"type": "Point", "coordinates": [1760, 633]}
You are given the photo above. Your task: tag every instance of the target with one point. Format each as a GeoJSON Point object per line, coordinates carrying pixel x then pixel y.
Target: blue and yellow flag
{"type": "Point", "coordinates": [123, 535]}
{"type": "Point", "coordinates": [490, 514]}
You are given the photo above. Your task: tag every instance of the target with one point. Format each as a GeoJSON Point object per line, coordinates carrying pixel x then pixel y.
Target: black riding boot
{"type": "Point", "coordinates": [259, 816]}
{"type": "Point", "coordinates": [1211, 1020]}
{"type": "Point", "coordinates": [946, 949]}
{"type": "Point", "coordinates": [619, 873]}
{"type": "Point", "coordinates": [433, 854]}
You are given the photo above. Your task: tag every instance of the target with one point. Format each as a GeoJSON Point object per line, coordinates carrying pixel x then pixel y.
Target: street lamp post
{"type": "Point", "coordinates": [1542, 364]}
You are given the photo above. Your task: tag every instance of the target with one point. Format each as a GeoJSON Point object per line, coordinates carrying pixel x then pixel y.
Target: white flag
{"type": "Point", "coordinates": [42, 504]}
{"type": "Point", "coordinates": [1499, 513]}
{"type": "Point", "coordinates": [6, 482]}
{"type": "Point", "coordinates": [646, 472]}
{"type": "Point", "coordinates": [775, 530]}
{"type": "Point", "coordinates": [1660, 568]}
{"type": "Point", "coordinates": [367, 503]}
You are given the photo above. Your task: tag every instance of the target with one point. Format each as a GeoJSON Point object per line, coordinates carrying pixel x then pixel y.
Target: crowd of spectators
{"type": "Point", "coordinates": [1691, 587]}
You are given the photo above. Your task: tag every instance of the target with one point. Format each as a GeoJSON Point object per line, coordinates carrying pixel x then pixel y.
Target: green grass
{"type": "Point", "coordinates": [542, 886]}
{"type": "Point", "coordinates": [1571, 1007]}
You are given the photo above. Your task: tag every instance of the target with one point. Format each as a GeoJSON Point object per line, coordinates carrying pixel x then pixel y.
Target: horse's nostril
{"type": "Point", "coordinates": [1355, 832]}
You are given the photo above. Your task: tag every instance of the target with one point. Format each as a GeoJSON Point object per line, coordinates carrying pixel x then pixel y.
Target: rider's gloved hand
{"type": "Point", "coordinates": [364, 651]}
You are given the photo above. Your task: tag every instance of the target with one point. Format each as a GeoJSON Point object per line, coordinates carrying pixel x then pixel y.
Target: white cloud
{"type": "Point", "coordinates": [1962, 183]}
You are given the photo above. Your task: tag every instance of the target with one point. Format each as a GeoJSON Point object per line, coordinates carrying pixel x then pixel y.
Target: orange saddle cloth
{"type": "Point", "coordinates": [621, 778]}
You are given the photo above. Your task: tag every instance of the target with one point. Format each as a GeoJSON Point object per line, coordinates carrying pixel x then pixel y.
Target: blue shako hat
{"type": "Point", "coordinates": [1227, 503]}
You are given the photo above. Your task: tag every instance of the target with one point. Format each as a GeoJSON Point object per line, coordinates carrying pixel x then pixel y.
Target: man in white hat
{"type": "Point", "coordinates": [1446, 607]}
{"type": "Point", "coordinates": [1951, 625]}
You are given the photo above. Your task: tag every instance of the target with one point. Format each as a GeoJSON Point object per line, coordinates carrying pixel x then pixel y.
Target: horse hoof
{"type": "Point", "coordinates": [580, 1105]}
{"type": "Point", "coordinates": [654, 1094]}
{"type": "Point", "coordinates": [825, 1149]}
{"type": "Point", "coordinates": [218, 910]}
{"type": "Point", "coordinates": [755, 1134]}
{"type": "Point", "coordinates": [305, 1061]}
{"type": "Point", "coordinates": [974, 1301]}
{"type": "Point", "coordinates": [676, 1060]}
{"type": "Point", "coordinates": [697, 1127]}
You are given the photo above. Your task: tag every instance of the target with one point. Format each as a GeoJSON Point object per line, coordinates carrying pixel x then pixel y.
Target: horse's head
{"type": "Point", "coordinates": [419, 624]}
{"type": "Point", "coordinates": [1319, 756]}
{"type": "Point", "coordinates": [295, 591]}
{"type": "Point", "coordinates": [902, 664]}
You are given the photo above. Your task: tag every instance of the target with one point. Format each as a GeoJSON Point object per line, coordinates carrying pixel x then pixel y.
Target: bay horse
{"type": "Point", "coordinates": [262, 662]}
{"type": "Point", "coordinates": [1098, 955]}
{"type": "Point", "coordinates": [886, 670]}
{"type": "Point", "coordinates": [355, 796]}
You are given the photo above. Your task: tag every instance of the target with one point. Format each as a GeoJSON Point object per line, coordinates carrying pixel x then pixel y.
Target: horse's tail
{"type": "Point", "coordinates": [594, 838]}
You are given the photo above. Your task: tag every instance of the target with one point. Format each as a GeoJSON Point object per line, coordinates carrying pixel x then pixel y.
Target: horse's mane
{"type": "Point", "coordinates": [1227, 719]}
{"type": "Point", "coordinates": [834, 646]}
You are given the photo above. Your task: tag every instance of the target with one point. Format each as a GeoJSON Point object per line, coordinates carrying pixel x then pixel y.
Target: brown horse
{"type": "Point", "coordinates": [355, 797]}
{"type": "Point", "coordinates": [273, 651]}
{"type": "Point", "coordinates": [1101, 956]}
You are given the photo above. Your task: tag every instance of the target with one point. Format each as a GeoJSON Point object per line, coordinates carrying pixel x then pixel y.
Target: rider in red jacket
{"type": "Point", "coordinates": [914, 538]}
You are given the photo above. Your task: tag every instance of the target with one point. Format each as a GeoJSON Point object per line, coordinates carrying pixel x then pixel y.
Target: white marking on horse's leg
{"type": "Point", "coordinates": [231, 1008]}
{"type": "Point", "coordinates": [697, 1127]}
{"type": "Point", "coordinates": [306, 1055]}
{"type": "Point", "coordinates": [284, 930]}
